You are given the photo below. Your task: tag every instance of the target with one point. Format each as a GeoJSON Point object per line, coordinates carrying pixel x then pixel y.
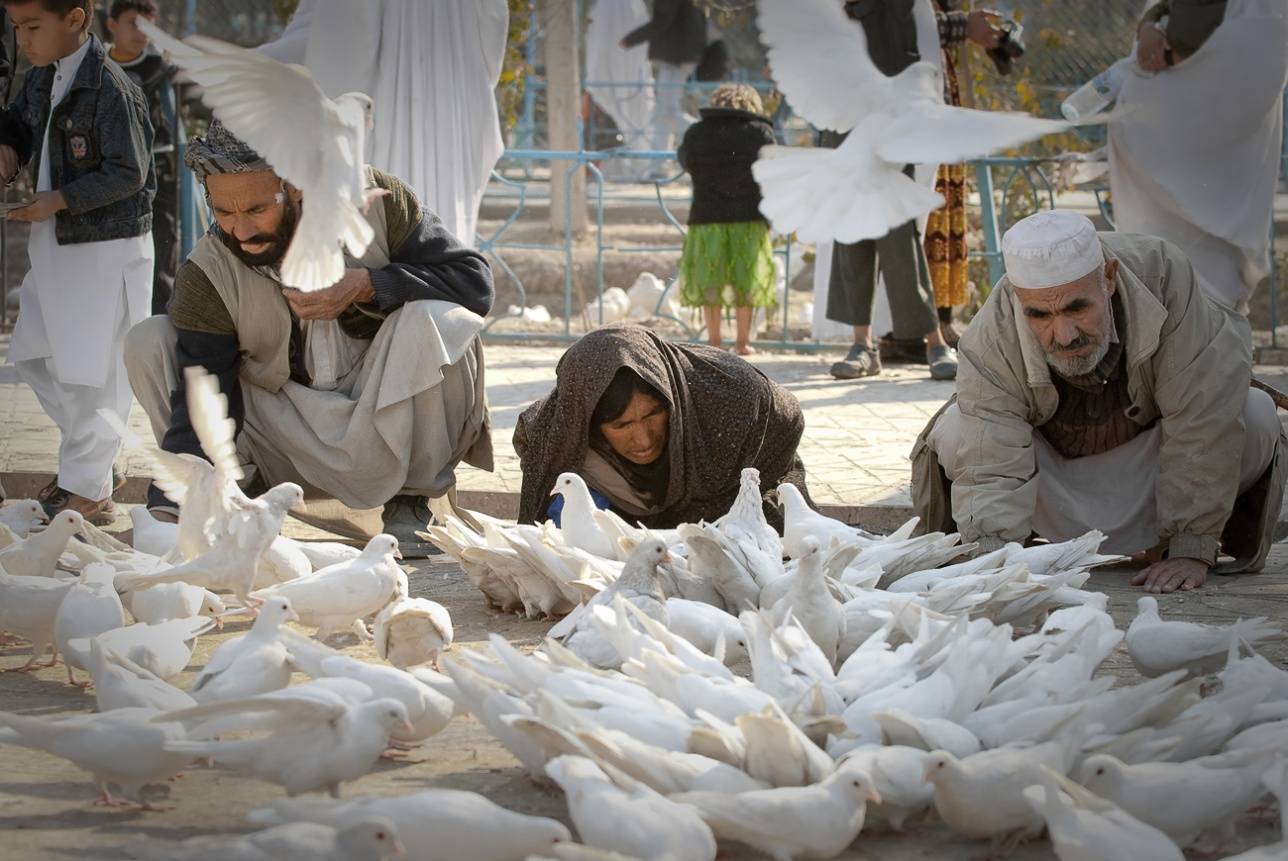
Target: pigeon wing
{"type": "Point", "coordinates": [926, 132]}
{"type": "Point", "coordinates": [819, 59]}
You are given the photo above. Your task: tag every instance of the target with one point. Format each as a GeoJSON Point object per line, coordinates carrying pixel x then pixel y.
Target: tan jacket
{"type": "Point", "coordinates": [1187, 366]}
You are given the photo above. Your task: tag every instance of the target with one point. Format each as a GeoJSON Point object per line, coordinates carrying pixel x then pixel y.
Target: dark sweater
{"type": "Point", "coordinates": [677, 32]}
{"type": "Point", "coordinates": [718, 152]}
{"type": "Point", "coordinates": [426, 262]}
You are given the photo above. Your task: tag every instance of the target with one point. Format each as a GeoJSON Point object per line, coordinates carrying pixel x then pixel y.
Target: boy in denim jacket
{"type": "Point", "coordinates": [84, 127]}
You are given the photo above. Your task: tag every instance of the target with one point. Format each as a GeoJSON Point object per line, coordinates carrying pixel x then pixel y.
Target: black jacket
{"type": "Point", "coordinates": [891, 29]}
{"type": "Point", "coordinates": [100, 148]}
{"type": "Point", "coordinates": [677, 32]}
{"type": "Point", "coordinates": [718, 152]}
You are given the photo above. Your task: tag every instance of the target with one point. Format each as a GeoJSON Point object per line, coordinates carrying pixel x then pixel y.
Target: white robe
{"type": "Point", "coordinates": [630, 101]}
{"type": "Point", "coordinates": [77, 302]}
{"type": "Point", "coordinates": [431, 68]}
{"type": "Point", "coordinates": [1196, 156]}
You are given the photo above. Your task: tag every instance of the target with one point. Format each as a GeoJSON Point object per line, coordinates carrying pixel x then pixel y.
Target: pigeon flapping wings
{"type": "Point", "coordinates": [313, 142]}
{"type": "Point", "coordinates": [858, 191]}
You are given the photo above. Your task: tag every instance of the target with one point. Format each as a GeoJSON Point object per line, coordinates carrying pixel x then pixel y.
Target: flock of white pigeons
{"type": "Point", "coordinates": [716, 682]}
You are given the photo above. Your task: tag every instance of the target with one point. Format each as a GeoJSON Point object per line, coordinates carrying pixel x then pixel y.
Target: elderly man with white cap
{"type": "Point", "coordinates": [1100, 389]}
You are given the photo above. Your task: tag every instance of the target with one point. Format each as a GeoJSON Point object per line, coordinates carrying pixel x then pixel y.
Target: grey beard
{"type": "Point", "coordinates": [1079, 367]}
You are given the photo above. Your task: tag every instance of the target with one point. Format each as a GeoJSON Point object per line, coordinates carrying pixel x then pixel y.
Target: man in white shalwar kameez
{"type": "Point", "coordinates": [1195, 157]}
{"type": "Point", "coordinates": [432, 70]}
{"type": "Point", "coordinates": [81, 296]}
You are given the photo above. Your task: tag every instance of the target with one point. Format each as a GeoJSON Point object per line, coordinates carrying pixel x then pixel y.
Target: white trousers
{"type": "Point", "coordinates": [88, 445]}
{"type": "Point", "coordinates": [669, 119]}
{"type": "Point", "coordinates": [1112, 491]}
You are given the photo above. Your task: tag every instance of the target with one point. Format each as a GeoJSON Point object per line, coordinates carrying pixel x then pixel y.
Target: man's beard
{"type": "Point", "coordinates": [279, 240]}
{"type": "Point", "coordinates": [1079, 366]}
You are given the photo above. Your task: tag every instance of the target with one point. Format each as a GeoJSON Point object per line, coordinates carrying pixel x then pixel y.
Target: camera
{"type": "Point", "coordinates": [1010, 46]}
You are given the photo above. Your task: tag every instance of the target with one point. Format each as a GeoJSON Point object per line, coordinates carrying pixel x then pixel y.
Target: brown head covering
{"type": "Point", "coordinates": [725, 415]}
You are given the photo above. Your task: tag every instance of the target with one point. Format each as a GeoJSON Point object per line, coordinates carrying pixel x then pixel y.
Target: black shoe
{"type": "Point", "coordinates": [943, 363]}
{"type": "Point", "coordinates": [48, 492]}
{"type": "Point", "coordinates": [860, 362]}
{"type": "Point", "coordinates": [403, 518]}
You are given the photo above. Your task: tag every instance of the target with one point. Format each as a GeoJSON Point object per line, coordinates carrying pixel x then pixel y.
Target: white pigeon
{"type": "Point", "coordinates": [428, 710]}
{"type": "Point", "coordinates": [157, 537]}
{"type": "Point", "coordinates": [811, 603]}
{"type": "Point", "coordinates": [819, 60]}
{"type": "Point", "coordinates": [412, 631]}
{"type": "Point", "coordinates": [1218, 789]}
{"type": "Point", "coordinates": [89, 608]}
{"type": "Point", "coordinates": [371, 839]}
{"type": "Point", "coordinates": [1158, 646]}
{"type": "Point", "coordinates": [801, 521]}
{"type": "Point", "coordinates": [982, 795]}
{"type": "Point", "coordinates": [1085, 827]}
{"type": "Point", "coordinates": [323, 554]}
{"type": "Point", "coordinates": [283, 562]}
{"type": "Point", "coordinates": [637, 822]}
{"type": "Point", "coordinates": [163, 649]}
{"type": "Point", "coordinates": [432, 823]}
{"type": "Point", "coordinates": [640, 585]}
{"type": "Point", "coordinates": [233, 562]}
{"type": "Point", "coordinates": [898, 775]}
{"type": "Point", "coordinates": [121, 748]}
{"type": "Point", "coordinates": [20, 515]}
{"type": "Point", "coordinates": [336, 599]}
{"type": "Point", "coordinates": [254, 663]}
{"type": "Point", "coordinates": [576, 522]}
{"type": "Point", "coordinates": [28, 608]}
{"type": "Point", "coordinates": [119, 683]}
{"type": "Point", "coordinates": [745, 520]}
{"type": "Point", "coordinates": [317, 738]}
{"type": "Point", "coordinates": [270, 106]}
{"type": "Point", "coordinates": [37, 554]}
{"type": "Point", "coordinates": [817, 821]}
{"type": "Point", "coordinates": [166, 601]}
{"type": "Point", "coordinates": [709, 628]}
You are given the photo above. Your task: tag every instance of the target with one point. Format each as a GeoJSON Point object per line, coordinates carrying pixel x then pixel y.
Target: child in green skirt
{"type": "Point", "coordinates": [728, 258]}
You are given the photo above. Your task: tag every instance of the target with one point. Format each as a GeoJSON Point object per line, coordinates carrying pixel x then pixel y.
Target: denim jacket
{"type": "Point", "coordinates": [100, 148]}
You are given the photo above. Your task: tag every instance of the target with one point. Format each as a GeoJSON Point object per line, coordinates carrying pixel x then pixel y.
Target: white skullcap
{"type": "Point", "coordinates": [1050, 249]}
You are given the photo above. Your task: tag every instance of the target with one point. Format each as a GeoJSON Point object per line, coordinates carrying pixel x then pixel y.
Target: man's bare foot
{"type": "Point", "coordinates": [745, 350]}
{"type": "Point", "coordinates": [1171, 575]}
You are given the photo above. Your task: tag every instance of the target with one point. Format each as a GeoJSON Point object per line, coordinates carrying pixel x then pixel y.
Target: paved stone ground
{"type": "Point", "coordinates": [45, 804]}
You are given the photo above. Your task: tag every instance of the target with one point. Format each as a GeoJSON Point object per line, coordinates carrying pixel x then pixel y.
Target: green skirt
{"type": "Point", "coordinates": [728, 264]}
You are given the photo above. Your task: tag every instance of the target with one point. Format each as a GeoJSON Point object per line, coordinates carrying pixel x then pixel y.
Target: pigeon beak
{"type": "Point", "coordinates": [874, 796]}
{"type": "Point", "coordinates": [397, 553]}
{"type": "Point", "coordinates": [398, 848]}
{"type": "Point", "coordinates": [408, 728]}
{"type": "Point", "coordinates": [294, 617]}
{"type": "Point", "coordinates": [929, 775]}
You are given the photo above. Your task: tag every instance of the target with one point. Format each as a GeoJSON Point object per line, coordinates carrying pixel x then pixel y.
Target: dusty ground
{"type": "Point", "coordinates": [45, 803]}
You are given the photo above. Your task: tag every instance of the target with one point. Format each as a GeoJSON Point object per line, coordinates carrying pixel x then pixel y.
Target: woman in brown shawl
{"type": "Point", "coordinates": [661, 430]}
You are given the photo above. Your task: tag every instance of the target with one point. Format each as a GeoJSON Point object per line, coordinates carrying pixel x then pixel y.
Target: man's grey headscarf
{"type": "Point", "coordinates": [219, 151]}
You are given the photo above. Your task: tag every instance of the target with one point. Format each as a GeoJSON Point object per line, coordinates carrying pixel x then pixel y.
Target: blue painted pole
{"type": "Point", "coordinates": [988, 215]}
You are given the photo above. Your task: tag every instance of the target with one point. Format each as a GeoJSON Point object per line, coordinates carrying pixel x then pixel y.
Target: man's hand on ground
{"type": "Point", "coordinates": [1172, 574]}
{"type": "Point", "coordinates": [330, 303]}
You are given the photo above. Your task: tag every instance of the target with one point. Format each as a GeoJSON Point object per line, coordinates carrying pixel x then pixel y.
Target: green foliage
{"type": "Point", "coordinates": [515, 69]}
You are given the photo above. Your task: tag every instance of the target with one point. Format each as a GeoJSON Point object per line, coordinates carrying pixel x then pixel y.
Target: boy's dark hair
{"type": "Point", "coordinates": [146, 8]}
{"type": "Point", "coordinates": [61, 8]}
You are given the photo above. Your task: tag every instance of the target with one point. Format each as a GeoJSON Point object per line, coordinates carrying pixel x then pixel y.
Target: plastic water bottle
{"type": "Point", "coordinates": [1098, 93]}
